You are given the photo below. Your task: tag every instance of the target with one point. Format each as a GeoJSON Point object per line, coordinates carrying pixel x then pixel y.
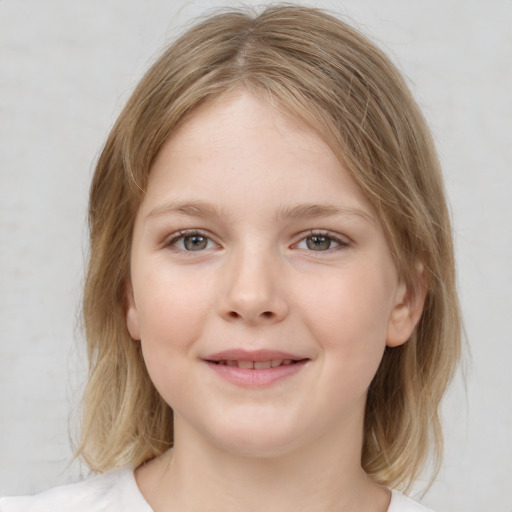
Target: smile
{"type": "Point", "coordinates": [255, 369]}
{"type": "Point", "coordinates": [256, 365]}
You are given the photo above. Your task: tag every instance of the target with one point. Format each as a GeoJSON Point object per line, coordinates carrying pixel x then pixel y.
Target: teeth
{"type": "Point", "coordinates": [257, 365]}
{"type": "Point", "coordinates": [262, 365]}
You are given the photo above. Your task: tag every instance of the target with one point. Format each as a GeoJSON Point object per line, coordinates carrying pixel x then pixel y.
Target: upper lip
{"type": "Point", "coordinates": [253, 355]}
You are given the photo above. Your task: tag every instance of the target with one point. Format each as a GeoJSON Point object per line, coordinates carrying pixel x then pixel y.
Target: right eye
{"type": "Point", "coordinates": [190, 242]}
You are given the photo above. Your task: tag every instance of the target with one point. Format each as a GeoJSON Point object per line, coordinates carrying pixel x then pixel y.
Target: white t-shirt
{"type": "Point", "coordinates": [117, 491]}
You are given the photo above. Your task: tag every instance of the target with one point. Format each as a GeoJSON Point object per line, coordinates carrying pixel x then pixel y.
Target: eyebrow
{"type": "Point", "coordinates": [321, 210]}
{"type": "Point", "coordinates": [203, 209]}
{"type": "Point", "coordinates": [189, 208]}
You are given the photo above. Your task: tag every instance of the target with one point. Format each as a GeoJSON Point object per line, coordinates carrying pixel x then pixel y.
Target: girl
{"type": "Point", "coordinates": [270, 303]}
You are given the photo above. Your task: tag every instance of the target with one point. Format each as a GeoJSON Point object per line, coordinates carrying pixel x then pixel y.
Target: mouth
{"type": "Point", "coordinates": [260, 368]}
{"type": "Point", "coordinates": [257, 365]}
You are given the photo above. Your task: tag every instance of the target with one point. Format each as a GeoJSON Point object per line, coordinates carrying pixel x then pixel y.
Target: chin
{"type": "Point", "coordinates": [262, 448]}
{"type": "Point", "coordinates": [257, 440]}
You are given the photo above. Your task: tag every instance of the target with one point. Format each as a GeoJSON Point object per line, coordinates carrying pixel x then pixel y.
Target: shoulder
{"type": "Point", "coordinates": [401, 503]}
{"type": "Point", "coordinates": [114, 491]}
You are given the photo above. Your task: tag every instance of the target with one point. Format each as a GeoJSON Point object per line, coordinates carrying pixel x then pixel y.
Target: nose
{"type": "Point", "coordinates": [253, 291]}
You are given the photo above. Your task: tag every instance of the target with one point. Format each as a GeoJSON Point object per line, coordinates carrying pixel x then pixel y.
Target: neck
{"type": "Point", "coordinates": [197, 475]}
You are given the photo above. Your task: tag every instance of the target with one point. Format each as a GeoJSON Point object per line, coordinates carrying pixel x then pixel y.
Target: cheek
{"type": "Point", "coordinates": [348, 316]}
{"type": "Point", "coordinates": [170, 304]}
{"type": "Point", "coordinates": [172, 310]}
{"type": "Point", "coordinates": [352, 305]}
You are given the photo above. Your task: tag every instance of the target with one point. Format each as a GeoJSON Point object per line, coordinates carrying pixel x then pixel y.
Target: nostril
{"type": "Point", "coordinates": [265, 314]}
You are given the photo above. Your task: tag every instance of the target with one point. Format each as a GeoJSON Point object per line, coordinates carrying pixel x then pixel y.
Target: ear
{"type": "Point", "coordinates": [407, 310]}
{"type": "Point", "coordinates": [131, 314]}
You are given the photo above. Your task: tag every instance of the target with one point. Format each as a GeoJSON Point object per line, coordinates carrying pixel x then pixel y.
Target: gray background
{"type": "Point", "coordinates": [65, 70]}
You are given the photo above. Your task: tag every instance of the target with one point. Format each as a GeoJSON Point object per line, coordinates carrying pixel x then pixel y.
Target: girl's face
{"type": "Point", "coordinates": [263, 289]}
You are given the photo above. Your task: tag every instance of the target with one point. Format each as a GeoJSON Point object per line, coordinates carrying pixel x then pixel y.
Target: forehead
{"type": "Point", "coordinates": [237, 117]}
{"type": "Point", "coordinates": [236, 147]}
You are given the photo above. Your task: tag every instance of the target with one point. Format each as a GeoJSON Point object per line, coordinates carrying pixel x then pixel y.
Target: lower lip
{"type": "Point", "coordinates": [252, 378]}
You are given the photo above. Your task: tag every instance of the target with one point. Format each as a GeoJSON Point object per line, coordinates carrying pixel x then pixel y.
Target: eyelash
{"type": "Point", "coordinates": [342, 242]}
{"type": "Point", "coordinates": [181, 235]}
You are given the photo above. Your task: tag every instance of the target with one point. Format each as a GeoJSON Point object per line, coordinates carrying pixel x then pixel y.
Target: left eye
{"type": "Point", "coordinates": [320, 242]}
{"type": "Point", "coordinates": [192, 242]}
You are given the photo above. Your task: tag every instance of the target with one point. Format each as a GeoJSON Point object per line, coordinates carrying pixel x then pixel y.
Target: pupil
{"type": "Point", "coordinates": [195, 242]}
{"type": "Point", "coordinates": [318, 243]}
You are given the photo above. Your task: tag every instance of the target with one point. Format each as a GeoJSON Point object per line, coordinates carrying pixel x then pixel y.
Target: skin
{"type": "Point", "coordinates": [256, 283]}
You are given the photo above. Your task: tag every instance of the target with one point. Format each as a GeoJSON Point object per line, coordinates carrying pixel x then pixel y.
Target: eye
{"type": "Point", "coordinates": [321, 242]}
{"type": "Point", "coordinates": [191, 242]}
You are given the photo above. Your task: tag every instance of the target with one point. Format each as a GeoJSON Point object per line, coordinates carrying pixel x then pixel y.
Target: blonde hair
{"type": "Point", "coordinates": [324, 72]}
